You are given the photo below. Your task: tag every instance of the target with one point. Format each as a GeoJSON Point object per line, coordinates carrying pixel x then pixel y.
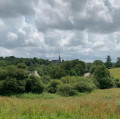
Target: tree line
{"type": "Point", "coordinates": [65, 78]}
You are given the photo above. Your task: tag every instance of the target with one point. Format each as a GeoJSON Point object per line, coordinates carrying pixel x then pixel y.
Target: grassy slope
{"type": "Point", "coordinates": [115, 72]}
{"type": "Point", "coordinates": [100, 104]}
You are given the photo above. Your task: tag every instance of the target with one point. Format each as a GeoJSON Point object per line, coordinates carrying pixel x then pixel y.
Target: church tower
{"type": "Point", "coordinates": [59, 58]}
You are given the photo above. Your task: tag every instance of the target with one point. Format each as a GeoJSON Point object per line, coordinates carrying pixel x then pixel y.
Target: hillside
{"type": "Point", "coordinates": [115, 72]}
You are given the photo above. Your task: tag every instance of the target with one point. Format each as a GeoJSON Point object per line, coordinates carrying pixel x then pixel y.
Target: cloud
{"type": "Point", "coordinates": [84, 29]}
{"type": "Point", "coordinates": [2, 25]}
{"type": "Point", "coordinates": [15, 8]}
{"type": "Point", "coordinates": [98, 44]}
{"type": "Point", "coordinates": [12, 37]}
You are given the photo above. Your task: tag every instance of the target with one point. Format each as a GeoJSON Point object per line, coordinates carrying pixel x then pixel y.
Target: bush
{"type": "Point", "coordinates": [34, 84]}
{"type": "Point", "coordinates": [105, 83]}
{"type": "Point", "coordinates": [21, 86]}
{"type": "Point", "coordinates": [73, 72]}
{"type": "Point", "coordinates": [10, 85]}
{"type": "Point", "coordinates": [57, 72]}
{"type": "Point", "coordinates": [3, 74]}
{"type": "Point", "coordinates": [81, 84]}
{"type": "Point", "coordinates": [46, 79]}
{"type": "Point", "coordinates": [70, 80]}
{"type": "Point", "coordinates": [117, 82]}
{"type": "Point", "coordinates": [103, 77]}
{"type": "Point", "coordinates": [53, 85]}
{"type": "Point", "coordinates": [85, 86]}
{"type": "Point", "coordinates": [66, 90]}
{"type": "Point", "coordinates": [22, 66]}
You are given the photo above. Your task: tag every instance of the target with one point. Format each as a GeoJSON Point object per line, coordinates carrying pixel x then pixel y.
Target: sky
{"type": "Point", "coordinates": [76, 29]}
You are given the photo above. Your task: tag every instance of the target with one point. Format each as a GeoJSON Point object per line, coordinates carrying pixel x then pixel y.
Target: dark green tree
{"type": "Point", "coordinates": [117, 64]}
{"type": "Point", "coordinates": [108, 62]}
{"type": "Point", "coordinates": [34, 84]}
{"type": "Point", "coordinates": [57, 72]}
{"type": "Point", "coordinates": [103, 77]}
{"type": "Point", "coordinates": [53, 85]}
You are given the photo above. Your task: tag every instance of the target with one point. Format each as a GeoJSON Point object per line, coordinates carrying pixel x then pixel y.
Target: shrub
{"type": "Point", "coordinates": [85, 86]}
{"type": "Point", "coordinates": [103, 77]}
{"type": "Point", "coordinates": [106, 82]}
{"type": "Point", "coordinates": [73, 72]}
{"type": "Point", "coordinates": [34, 84]}
{"type": "Point", "coordinates": [57, 72]}
{"type": "Point", "coordinates": [117, 82]}
{"type": "Point", "coordinates": [81, 84]}
{"type": "Point", "coordinates": [46, 79]}
{"type": "Point", "coordinates": [10, 85]}
{"type": "Point", "coordinates": [3, 74]}
{"type": "Point", "coordinates": [66, 90]}
{"type": "Point", "coordinates": [53, 85]}
{"type": "Point", "coordinates": [22, 66]}
{"type": "Point", "coordinates": [69, 80]}
{"type": "Point", "coordinates": [21, 86]}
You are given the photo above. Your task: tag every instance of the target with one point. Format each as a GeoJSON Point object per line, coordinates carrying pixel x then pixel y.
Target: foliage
{"type": "Point", "coordinates": [3, 74]}
{"type": "Point", "coordinates": [34, 84]}
{"type": "Point", "coordinates": [117, 82]}
{"type": "Point", "coordinates": [22, 66]}
{"type": "Point", "coordinates": [117, 64]}
{"type": "Point", "coordinates": [66, 90]}
{"type": "Point", "coordinates": [93, 66]}
{"type": "Point", "coordinates": [108, 62]}
{"type": "Point", "coordinates": [98, 62]}
{"type": "Point", "coordinates": [73, 72]}
{"type": "Point", "coordinates": [46, 79]}
{"type": "Point", "coordinates": [103, 77]}
{"type": "Point", "coordinates": [53, 85]}
{"type": "Point", "coordinates": [56, 72]}
{"type": "Point", "coordinates": [10, 85]}
{"type": "Point", "coordinates": [85, 85]}
{"type": "Point", "coordinates": [81, 84]}
{"type": "Point", "coordinates": [70, 66]}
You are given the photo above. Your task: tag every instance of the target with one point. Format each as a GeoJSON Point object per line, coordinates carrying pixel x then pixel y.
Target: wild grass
{"type": "Point", "coordinates": [115, 72]}
{"type": "Point", "coordinates": [100, 104]}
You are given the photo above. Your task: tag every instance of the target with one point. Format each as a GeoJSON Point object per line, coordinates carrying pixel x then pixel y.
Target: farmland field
{"type": "Point", "coordinates": [100, 104]}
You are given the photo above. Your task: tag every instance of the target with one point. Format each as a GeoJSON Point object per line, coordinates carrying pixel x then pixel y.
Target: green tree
{"type": "Point", "coordinates": [10, 85]}
{"type": "Point", "coordinates": [108, 62]}
{"type": "Point", "coordinates": [22, 66]}
{"type": "Point", "coordinates": [57, 72]}
{"type": "Point", "coordinates": [66, 90]}
{"type": "Point", "coordinates": [34, 84]}
{"type": "Point", "coordinates": [98, 62]}
{"type": "Point", "coordinates": [73, 72]}
{"type": "Point", "coordinates": [3, 74]}
{"type": "Point", "coordinates": [117, 64]}
{"type": "Point", "coordinates": [103, 77]}
{"type": "Point", "coordinates": [53, 85]}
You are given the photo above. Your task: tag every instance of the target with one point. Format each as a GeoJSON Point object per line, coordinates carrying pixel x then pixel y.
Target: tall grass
{"type": "Point", "coordinates": [100, 104]}
{"type": "Point", "coordinates": [115, 72]}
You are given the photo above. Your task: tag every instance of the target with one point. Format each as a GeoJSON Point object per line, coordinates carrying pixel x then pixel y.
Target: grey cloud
{"type": "Point", "coordinates": [93, 16]}
{"type": "Point", "coordinates": [14, 8]}
{"type": "Point", "coordinates": [83, 29]}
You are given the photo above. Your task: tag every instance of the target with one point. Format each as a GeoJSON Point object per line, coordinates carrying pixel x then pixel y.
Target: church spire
{"type": "Point", "coordinates": [59, 58]}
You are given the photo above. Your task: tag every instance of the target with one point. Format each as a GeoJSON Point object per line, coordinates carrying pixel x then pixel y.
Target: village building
{"type": "Point", "coordinates": [57, 61]}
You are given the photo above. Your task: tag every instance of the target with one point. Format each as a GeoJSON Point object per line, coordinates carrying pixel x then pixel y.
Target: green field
{"type": "Point", "coordinates": [100, 104]}
{"type": "Point", "coordinates": [115, 72]}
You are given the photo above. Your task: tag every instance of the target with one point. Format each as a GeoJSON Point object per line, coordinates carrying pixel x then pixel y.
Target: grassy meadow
{"type": "Point", "coordinates": [115, 72]}
{"type": "Point", "coordinates": [100, 104]}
